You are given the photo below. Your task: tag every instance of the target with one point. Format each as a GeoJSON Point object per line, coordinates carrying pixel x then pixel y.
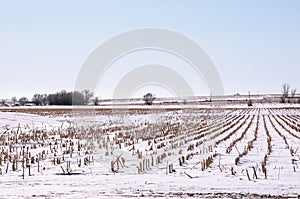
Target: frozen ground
{"type": "Point", "coordinates": [220, 178]}
{"type": "Point", "coordinates": [97, 185]}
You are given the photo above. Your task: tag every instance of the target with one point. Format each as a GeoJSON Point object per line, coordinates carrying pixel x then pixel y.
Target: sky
{"type": "Point", "coordinates": [254, 45]}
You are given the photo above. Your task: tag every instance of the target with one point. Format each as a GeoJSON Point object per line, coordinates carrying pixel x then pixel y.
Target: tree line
{"type": "Point", "coordinates": [62, 97]}
{"type": "Point", "coordinates": [65, 98]}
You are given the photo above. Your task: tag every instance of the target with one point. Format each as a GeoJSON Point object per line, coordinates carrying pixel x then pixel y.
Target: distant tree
{"type": "Point", "coordinates": [293, 92]}
{"type": "Point", "coordinates": [23, 101]}
{"type": "Point", "coordinates": [51, 98]}
{"type": "Point", "coordinates": [2, 102]}
{"type": "Point", "coordinates": [285, 92]}
{"type": "Point", "coordinates": [14, 100]}
{"type": "Point", "coordinates": [60, 98]}
{"type": "Point", "coordinates": [149, 98]}
{"type": "Point", "coordinates": [96, 101]}
{"type": "Point", "coordinates": [65, 98]}
{"type": "Point", "coordinates": [38, 99]}
{"type": "Point", "coordinates": [78, 98]}
{"type": "Point", "coordinates": [44, 99]}
{"type": "Point", "coordinates": [87, 96]}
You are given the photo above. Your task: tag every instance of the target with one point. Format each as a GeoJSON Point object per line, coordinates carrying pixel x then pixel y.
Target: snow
{"type": "Point", "coordinates": [96, 180]}
{"type": "Point", "coordinates": [94, 185]}
{"type": "Point", "coordinates": [23, 120]}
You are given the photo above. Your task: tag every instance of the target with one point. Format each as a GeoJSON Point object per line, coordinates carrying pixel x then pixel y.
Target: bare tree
{"type": "Point", "coordinates": [44, 99]}
{"type": "Point", "coordinates": [293, 92]}
{"type": "Point", "coordinates": [14, 100]}
{"type": "Point", "coordinates": [285, 90]}
{"type": "Point", "coordinates": [87, 95]}
{"type": "Point", "coordinates": [23, 101]}
{"type": "Point", "coordinates": [2, 102]}
{"type": "Point", "coordinates": [149, 98]}
{"type": "Point", "coordinates": [37, 99]}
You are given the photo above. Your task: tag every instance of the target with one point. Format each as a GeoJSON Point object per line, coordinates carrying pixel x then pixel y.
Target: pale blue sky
{"type": "Point", "coordinates": [254, 44]}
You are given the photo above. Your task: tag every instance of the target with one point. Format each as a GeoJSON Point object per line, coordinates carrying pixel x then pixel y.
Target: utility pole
{"type": "Point", "coordinates": [249, 100]}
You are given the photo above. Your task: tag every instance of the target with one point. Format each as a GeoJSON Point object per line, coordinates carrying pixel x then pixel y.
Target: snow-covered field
{"type": "Point", "coordinates": [205, 152]}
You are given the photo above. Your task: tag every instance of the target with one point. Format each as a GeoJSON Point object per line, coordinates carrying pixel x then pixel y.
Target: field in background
{"type": "Point", "coordinates": [178, 151]}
